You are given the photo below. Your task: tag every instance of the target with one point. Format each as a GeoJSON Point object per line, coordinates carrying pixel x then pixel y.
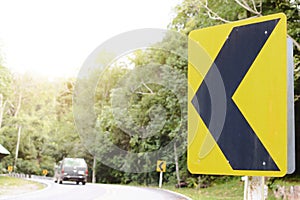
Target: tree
{"type": "Point", "coordinates": [43, 109]}
{"type": "Point", "coordinates": [65, 139]}
{"type": "Point", "coordinates": [195, 14]}
{"type": "Point", "coordinates": [6, 89]}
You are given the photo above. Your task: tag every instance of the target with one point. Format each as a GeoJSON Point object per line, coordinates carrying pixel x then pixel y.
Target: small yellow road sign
{"type": "Point", "coordinates": [237, 98]}
{"type": "Point", "coordinates": [161, 166]}
{"type": "Point", "coordinates": [45, 172]}
{"type": "Point", "coordinates": [10, 168]}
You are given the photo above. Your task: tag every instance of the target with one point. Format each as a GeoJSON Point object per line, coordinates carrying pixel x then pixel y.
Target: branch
{"type": "Point", "coordinates": [19, 105]}
{"type": "Point", "coordinates": [215, 15]}
{"type": "Point", "coordinates": [144, 93]}
{"type": "Point", "coordinates": [295, 42]}
{"type": "Point", "coordinates": [10, 103]}
{"type": "Point", "coordinates": [245, 3]}
{"type": "Point", "coordinates": [1, 109]}
{"type": "Point", "coordinates": [151, 92]}
{"type": "Point", "coordinates": [4, 104]}
{"type": "Point", "coordinates": [296, 97]}
{"type": "Point", "coordinates": [254, 6]}
{"type": "Point", "coordinates": [260, 6]}
{"type": "Point", "coordinates": [247, 7]}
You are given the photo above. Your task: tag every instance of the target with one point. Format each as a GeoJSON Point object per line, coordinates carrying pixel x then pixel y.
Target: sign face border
{"type": "Point", "coordinates": [205, 155]}
{"type": "Point", "coordinates": [291, 113]}
{"type": "Point", "coordinates": [161, 166]}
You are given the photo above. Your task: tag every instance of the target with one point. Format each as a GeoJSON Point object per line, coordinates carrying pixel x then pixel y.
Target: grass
{"type": "Point", "coordinates": [286, 182]}
{"type": "Point", "coordinates": [231, 190]}
{"type": "Point", "coordinates": [13, 186]}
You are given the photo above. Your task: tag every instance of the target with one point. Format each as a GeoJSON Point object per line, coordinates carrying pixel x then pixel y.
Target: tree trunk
{"type": "Point", "coordinates": [94, 170]}
{"type": "Point", "coordinates": [19, 105]}
{"type": "Point", "coordinates": [2, 106]}
{"type": "Point", "coordinates": [17, 148]}
{"type": "Point", "coordinates": [1, 109]}
{"type": "Point", "coordinates": [176, 165]}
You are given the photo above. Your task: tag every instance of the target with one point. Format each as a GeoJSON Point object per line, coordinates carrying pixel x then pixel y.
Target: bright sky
{"type": "Point", "coordinates": [54, 37]}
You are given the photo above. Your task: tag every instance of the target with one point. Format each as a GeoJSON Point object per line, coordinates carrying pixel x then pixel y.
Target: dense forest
{"type": "Point", "coordinates": [42, 112]}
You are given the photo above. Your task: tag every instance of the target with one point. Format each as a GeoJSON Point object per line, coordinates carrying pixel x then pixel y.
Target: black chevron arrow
{"type": "Point", "coordinates": [161, 166]}
{"type": "Point", "coordinates": [238, 142]}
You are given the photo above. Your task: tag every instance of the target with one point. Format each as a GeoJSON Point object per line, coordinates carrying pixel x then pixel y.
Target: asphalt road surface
{"type": "Point", "coordinates": [71, 191]}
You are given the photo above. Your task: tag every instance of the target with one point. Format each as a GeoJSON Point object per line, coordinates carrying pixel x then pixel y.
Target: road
{"type": "Point", "coordinates": [71, 191]}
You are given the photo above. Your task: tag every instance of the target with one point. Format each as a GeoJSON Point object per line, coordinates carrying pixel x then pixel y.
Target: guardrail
{"type": "Point", "coordinates": [41, 177]}
{"type": "Point", "coordinates": [27, 176]}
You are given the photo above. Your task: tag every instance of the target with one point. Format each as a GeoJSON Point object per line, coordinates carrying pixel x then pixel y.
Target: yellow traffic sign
{"type": "Point", "coordinates": [161, 166]}
{"type": "Point", "coordinates": [10, 168]}
{"type": "Point", "coordinates": [45, 172]}
{"type": "Point", "coordinates": [237, 98]}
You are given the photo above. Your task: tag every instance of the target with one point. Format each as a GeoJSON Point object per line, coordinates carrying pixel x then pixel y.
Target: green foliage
{"type": "Point", "coordinates": [44, 109]}
{"type": "Point", "coordinates": [195, 14]}
{"type": "Point", "coordinates": [28, 166]}
{"type": "Point", "coordinates": [192, 14]}
{"type": "Point", "coordinates": [5, 82]}
{"type": "Point", "coordinates": [143, 100]}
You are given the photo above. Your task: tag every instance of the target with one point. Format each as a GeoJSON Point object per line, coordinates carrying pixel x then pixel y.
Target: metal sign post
{"type": "Point", "coordinates": [254, 187]}
{"type": "Point", "coordinates": [160, 179]}
{"type": "Point", "coordinates": [161, 168]}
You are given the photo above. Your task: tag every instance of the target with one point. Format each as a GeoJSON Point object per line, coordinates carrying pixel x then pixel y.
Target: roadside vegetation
{"type": "Point", "coordinates": [41, 110]}
{"type": "Point", "coordinates": [11, 185]}
{"type": "Point", "coordinates": [231, 190]}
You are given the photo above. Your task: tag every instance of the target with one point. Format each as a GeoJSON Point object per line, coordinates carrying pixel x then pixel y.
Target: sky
{"type": "Point", "coordinates": [54, 37]}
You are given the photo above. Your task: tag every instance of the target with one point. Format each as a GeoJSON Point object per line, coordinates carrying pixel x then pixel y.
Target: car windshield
{"type": "Point", "coordinates": [74, 162]}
